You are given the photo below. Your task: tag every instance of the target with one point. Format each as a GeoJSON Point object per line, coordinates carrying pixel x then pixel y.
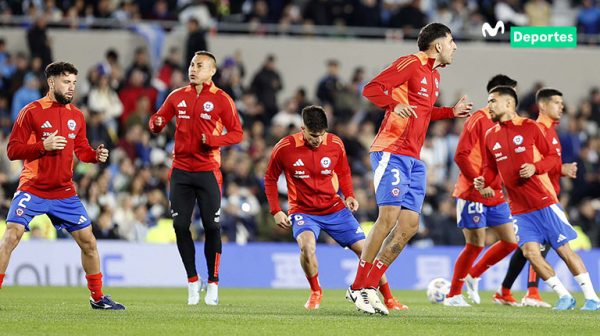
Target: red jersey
{"type": "Point", "coordinates": [509, 145]}
{"type": "Point", "coordinates": [410, 80]}
{"type": "Point", "coordinates": [469, 158]}
{"type": "Point", "coordinates": [552, 138]}
{"type": "Point", "coordinates": [208, 112]}
{"type": "Point", "coordinates": [49, 174]}
{"type": "Point", "coordinates": [313, 175]}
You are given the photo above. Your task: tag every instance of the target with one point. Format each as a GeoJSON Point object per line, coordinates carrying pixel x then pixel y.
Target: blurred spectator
{"type": "Point", "coordinates": [266, 85]}
{"type": "Point", "coordinates": [196, 40]}
{"type": "Point", "coordinates": [538, 12]}
{"type": "Point", "coordinates": [289, 115]}
{"type": "Point", "coordinates": [330, 85]}
{"type": "Point", "coordinates": [141, 62]}
{"type": "Point", "coordinates": [171, 63]}
{"type": "Point", "coordinates": [130, 93]}
{"type": "Point", "coordinates": [38, 41]}
{"type": "Point", "coordinates": [588, 19]}
{"type": "Point", "coordinates": [511, 13]}
{"type": "Point", "coordinates": [97, 131]}
{"type": "Point", "coordinates": [410, 18]}
{"type": "Point", "coordinates": [103, 227]}
{"type": "Point", "coordinates": [29, 92]}
{"type": "Point", "coordinates": [105, 101]}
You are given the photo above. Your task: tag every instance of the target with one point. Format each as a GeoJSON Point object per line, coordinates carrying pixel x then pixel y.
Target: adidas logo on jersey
{"type": "Point", "coordinates": [46, 124]}
{"type": "Point", "coordinates": [497, 146]}
{"type": "Point", "coordinates": [554, 141]}
{"type": "Point", "coordinates": [560, 238]}
{"type": "Point", "coordinates": [82, 220]}
{"type": "Point", "coordinates": [424, 81]}
{"type": "Point", "coordinates": [298, 163]}
{"type": "Point", "coordinates": [182, 104]}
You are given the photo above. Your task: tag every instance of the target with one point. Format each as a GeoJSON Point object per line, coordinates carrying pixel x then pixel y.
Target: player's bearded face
{"type": "Point", "coordinates": [448, 47]}
{"type": "Point", "coordinates": [63, 88]}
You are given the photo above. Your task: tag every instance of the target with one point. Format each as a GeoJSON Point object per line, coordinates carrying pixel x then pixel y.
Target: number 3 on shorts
{"type": "Point", "coordinates": [396, 173]}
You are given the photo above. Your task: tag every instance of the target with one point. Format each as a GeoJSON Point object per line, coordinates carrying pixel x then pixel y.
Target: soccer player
{"type": "Point", "coordinates": [550, 104]}
{"type": "Point", "coordinates": [474, 212]}
{"type": "Point", "coordinates": [315, 166]}
{"type": "Point", "coordinates": [202, 112]}
{"type": "Point", "coordinates": [407, 90]}
{"type": "Point", "coordinates": [45, 135]}
{"type": "Point", "coordinates": [517, 150]}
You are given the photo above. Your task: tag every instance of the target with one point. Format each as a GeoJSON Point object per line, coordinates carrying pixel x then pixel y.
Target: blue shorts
{"type": "Point", "coordinates": [545, 226]}
{"type": "Point", "coordinates": [399, 180]}
{"type": "Point", "coordinates": [340, 225]}
{"type": "Point", "coordinates": [474, 215]}
{"type": "Point", "coordinates": [66, 213]}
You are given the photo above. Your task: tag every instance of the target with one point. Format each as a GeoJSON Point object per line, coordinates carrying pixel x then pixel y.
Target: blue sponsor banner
{"type": "Point", "coordinates": [277, 265]}
{"type": "Point", "coordinates": [257, 265]}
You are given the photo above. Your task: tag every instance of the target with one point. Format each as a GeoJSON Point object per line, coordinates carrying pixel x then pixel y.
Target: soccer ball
{"type": "Point", "coordinates": [437, 290]}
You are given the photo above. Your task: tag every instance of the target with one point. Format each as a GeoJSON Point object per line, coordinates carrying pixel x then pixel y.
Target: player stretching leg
{"type": "Point", "coordinates": [517, 150]}
{"type": "Point", "coordinates": [315, 166]}
{"type": "Point", "coordinates": [45, 135]}
{"type": "Point", "coordinates": [550, 104]}
{"type": "Point", "coordinates": [474, 212]}
{"type": "Point", "coordinates": [407, 90]}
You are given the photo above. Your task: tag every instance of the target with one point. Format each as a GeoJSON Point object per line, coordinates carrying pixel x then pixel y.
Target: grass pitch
{"type": "Point", "coordinates": [65, 311]}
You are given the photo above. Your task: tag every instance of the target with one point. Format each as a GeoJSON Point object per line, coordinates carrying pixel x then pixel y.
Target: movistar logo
{"type": "Point", "coordinates": [487, 28]}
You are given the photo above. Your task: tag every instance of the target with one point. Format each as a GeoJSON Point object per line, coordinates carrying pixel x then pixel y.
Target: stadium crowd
{"type": "Point", "coordinates": [464, 17]}
{"type": "Point", "coordinates": [127, 197]}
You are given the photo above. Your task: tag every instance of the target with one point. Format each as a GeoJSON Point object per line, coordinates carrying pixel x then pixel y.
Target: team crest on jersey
{"type": "Point", "coordinates": [298, 217]}
{"type": "Point", "coordinates": [476, 219]}
{"type": "Point", "coordinates": [325, 162]}
{"type": "Point", "coordinates": [71, 124]}
{"type": "Point", "coordinates": [19, 212]}
{"type": "Point", "coordinates": [208, 106]}
{"type": "Point", "coordinates": [395, 192]}
{"type": "Point", "coordinates": [518, 139]}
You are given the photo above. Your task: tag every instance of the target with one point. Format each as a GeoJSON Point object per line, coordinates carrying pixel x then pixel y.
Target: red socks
{"type": "Point", "coordinates": [193, 279]}
{"type": "Point", "coordinates": [375, 274]}
{"type": "Point", "coordinates": [1, 279]}
{"type": "Point", "coordinates": [385, 291]}
{"type": "Point", "coordinates": [314, 283]}
{"type": "Point", "coordinates": [361, 274]}
{"type": "Point", "coordinates": [461, 268]}
{"type": "Point", "coordinates": [495, 253]}
{"type": "Point", "coordinates": [95, 285]}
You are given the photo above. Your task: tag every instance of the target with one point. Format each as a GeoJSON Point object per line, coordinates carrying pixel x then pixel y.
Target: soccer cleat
{"type": "Point", "coordinates": [566, 302]}
{"type": "Point", "coordinates": [394, 304]}
{"type": "Point", "coordinates": [314, 301]}
{"type": "Point", "coordinates": [456, 301]}
{"type": "Point", "coordinates": [212, 294]}
{"type": "Point", "coordinates": [473, 288]}
{"type": "Point", "coordinates": [507, 300]}
{"type": "Point", "coordinates": [374, 300]}
{"type": "Point", "coordinates": [106, 303]}
{"type": "Point", "coordinates": [194, 289]}
{"type": "Point", "coordinates": [360, 300]}
{"type": "Point", "coordinates": [534, 300]}
{"type": "Point", "coordinates": [591, 305]}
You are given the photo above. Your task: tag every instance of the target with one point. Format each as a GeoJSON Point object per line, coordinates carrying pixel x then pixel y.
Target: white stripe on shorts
{"type": "Point", "coordinates": [385, 159]}
{"type": "Point", "coordinates": [561, 214]}
{"type": "Point", "coordinates": [460, 205]}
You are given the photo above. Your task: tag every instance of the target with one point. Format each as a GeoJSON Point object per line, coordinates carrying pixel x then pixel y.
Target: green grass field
{"type": "Point", "coordinates": [65, 311]}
